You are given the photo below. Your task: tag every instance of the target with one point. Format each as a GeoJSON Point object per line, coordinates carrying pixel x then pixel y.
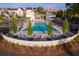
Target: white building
{"type": "Point", "coordinates": [19, 12]}
{"type": "Point", "coordinates": [39, 17]}
{"type": "Point", "coordinates": [50, 16]}
{"type": "Point", "coordinates": [50, 13]}
{"type": "Point", "coordinates": [3, 10]}
{"type": "Point", "coordinates": [52, 10]}
{"type": "Point", "coordinates": [30, 14]}
{"type": "Point", "coordinates": [11, 11]}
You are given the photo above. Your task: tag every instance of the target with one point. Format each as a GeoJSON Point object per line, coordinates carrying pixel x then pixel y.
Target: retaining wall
{"type": "Point", "coordinates": [38, 43]}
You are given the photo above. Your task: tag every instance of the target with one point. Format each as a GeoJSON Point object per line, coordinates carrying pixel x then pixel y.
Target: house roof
{"type": "Point", "coordinates": [30, 8]}
{"type": "Point", "coordinates": [12, 8]}
{"type": "Point", "coordinates": [21, 8]}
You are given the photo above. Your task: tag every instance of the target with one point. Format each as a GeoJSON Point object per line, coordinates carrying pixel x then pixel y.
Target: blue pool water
{"type": "Point", "coordinates": [40, 27]}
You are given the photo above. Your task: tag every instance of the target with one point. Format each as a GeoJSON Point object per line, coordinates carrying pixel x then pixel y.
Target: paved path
{"type": "Point", "coordinates": [57, 27]}
{"type": "Point", "coordinates": [3, 53]}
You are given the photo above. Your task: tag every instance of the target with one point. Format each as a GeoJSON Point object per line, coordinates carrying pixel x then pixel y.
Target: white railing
{"type": "Point", "coordinates": [38, 43]}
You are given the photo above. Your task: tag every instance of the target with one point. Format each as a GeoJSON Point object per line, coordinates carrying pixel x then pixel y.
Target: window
{"type": "Point", "coordinates": [24, 35]}
{"type": "Point", "coordinates": [20, 35]}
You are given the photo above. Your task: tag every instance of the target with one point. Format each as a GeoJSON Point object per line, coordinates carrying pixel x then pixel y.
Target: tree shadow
{"type": "Point", "coordinates": [66, 47]}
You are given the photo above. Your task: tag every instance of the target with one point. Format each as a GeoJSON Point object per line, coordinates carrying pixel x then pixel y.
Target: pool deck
{"type": "Point", "coordinates": [59, 28]}
{"type": "Point", "coordinates": [42, 33]}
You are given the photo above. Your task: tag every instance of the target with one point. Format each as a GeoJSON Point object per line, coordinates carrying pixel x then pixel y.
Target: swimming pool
{"type": "Point", "coordinates": [40, 26]}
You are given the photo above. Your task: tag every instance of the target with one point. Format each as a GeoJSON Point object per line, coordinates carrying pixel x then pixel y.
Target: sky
{"type": "Point", "coordinates": [24, 5]}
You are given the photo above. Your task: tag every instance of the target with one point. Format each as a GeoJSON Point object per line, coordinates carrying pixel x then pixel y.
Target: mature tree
{"type": "Point", "coordinates": [68, 4]}
{"type": "Point", "coordinates": [29, 28]}
{"type": "Point", "coordinates": [73, 9]}
{"type": "Point", "coordinates": [65, 26]}
{"type": "Point", "coordinates": [59, 13]}
{"type": "Point", "coordinates": [41, 10]}
{"type": "Point", "coordinates": [50, 28]}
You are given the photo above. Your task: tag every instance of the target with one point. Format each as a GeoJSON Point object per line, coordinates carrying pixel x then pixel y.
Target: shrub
{"type": "Point", "coordinates": [1, 18]}
{"type": "Point", "coordinates": [65, 26]}
{"type": "Point", "coordinates": [29, 29]}
{"type": "Point", "coordinates": [14, 28]}
{"type": "Point", "coordinates": [50, 27]}
{"type": "Point", "coordinates": [13, 24]}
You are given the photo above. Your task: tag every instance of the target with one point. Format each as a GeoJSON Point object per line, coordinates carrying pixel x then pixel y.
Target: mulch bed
{"type": "Point", "coordinates": [18, 50]}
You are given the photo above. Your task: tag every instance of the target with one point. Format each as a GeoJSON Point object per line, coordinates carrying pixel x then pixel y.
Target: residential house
{"type": "Point", "coordinates": [11, 11]}
{"type": "Point", "coordinates": [39, 17]}
{"type": "Point", "coordinates": [50, 13]}
{"type": "Point", "coordinates": [50, 16]}
{"type": "Point", "coordinates": [4, 11]}
{"type": "Point", "coordinates": [19, 12]}
{"type": "Point", "coordinates": [30, 15]}
{"type": "Point", "coordinates": [52, 10]}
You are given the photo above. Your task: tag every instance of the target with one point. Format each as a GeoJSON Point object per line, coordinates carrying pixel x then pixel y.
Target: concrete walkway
{"type": "Point", "coordinates": [58, 28]}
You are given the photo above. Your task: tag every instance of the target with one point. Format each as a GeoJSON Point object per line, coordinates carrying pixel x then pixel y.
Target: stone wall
{"type": "Point", "coordinates": [38, 43]}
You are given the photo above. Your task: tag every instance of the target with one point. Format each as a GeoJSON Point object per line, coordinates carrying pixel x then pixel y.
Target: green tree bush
{"type": "Point", "coordinates": [29, 29]}
{"type": "Point", "coordinates": [59, 14]}
{"type": "Point", "coordinates": [65, 26]}
{"type": "Point", "coordinates": [72, 9]}
{"type": "Point", "coordinates": [50, 27]}
{"type": "Point", "coordinates": [41, 10]}
{"type": "Point", "coordinates": [13, 24]}
{"type": "Point", "coordinates": [1, 17]}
